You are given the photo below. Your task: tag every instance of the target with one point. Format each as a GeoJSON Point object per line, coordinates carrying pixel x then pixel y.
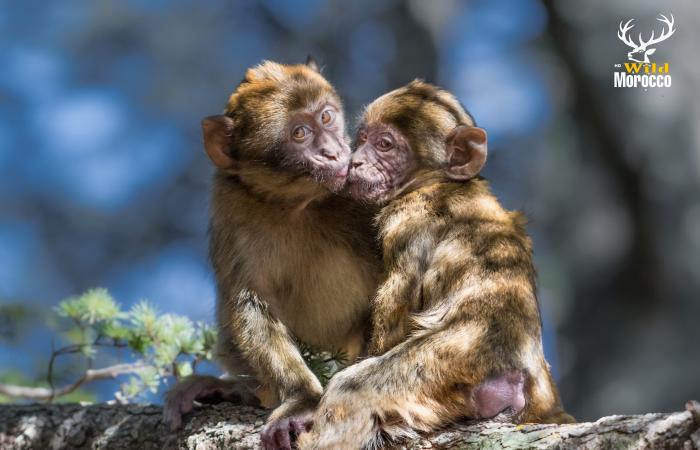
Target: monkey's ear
{"type": "Point", "coordinates": [217, 140]}
{"type": "Point", "coordinates": [466, 152]}
{"type": "Point", "coordinates": [313, 65]}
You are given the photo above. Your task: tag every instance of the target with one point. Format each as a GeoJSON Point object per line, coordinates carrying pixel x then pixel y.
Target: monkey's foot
{"type": "Point", "coordinates": [203, 389]}
{"type": "Point", "coordinates": [280, 434]}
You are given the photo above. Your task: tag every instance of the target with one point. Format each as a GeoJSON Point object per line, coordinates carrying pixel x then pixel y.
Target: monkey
{"type": "Point", "coordinates": [294, 260]}
{"type": "Point", "coordinates": [456, 328]}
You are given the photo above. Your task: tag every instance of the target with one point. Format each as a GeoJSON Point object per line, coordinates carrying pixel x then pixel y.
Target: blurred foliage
{"type": "Point", "coordinates": [323, 364]}
{"type": "Point", "coordinates": [167, 344]}
{"type": "Point", "coordinates": [164, 345]}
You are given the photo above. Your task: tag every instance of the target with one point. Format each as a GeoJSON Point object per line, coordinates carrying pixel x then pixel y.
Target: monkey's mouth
{"type": "Point", "coordinates": [367, 189]}
{"type": "Point", "coordinates": [332, 176]}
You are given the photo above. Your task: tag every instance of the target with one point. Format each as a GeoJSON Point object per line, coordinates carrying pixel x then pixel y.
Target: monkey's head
{"type": "Point", "coordinates": [417, 132]}
{"type": "Point", "coordinates": [283, 125]}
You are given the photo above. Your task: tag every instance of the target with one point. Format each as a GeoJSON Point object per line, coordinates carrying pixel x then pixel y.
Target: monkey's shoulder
{"type": "Point", "coordinates": [473, 202]}
{"type": "Point", "coordinates": [439, 202]}
{"type": "Point", "coordinates": [450, 213]}
{"type": "Point", "coordinates": [416, 206]}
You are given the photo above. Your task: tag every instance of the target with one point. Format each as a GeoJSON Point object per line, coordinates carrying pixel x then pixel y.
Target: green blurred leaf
{"type": "Point", "coordinates": [143, 318]}
{"type": "Point", "coordinates": [164, 354]}
{"type": "Point", "coordinates": [184, 369]}
{"type": "Point", "coordinates": [150, 379]}
{"type": "Point", "coordinates": [115, 330]}
{"type": "Point", "coordinates": [132, 388]}
{"type": "Point", "coordinates": [93, 306]}
{"type": "Point", "coordinates": [88, 351]}
{"type": "Point", "coordinates": [164, 342]}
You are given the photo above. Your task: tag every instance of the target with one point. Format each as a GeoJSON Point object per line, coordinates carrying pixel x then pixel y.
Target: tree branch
{"type": "Point", "coordinates": [39, 393]}
{"type": "Point", "coordinates": [227, 426]}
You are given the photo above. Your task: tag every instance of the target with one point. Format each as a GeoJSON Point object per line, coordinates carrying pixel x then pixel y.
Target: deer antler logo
{"type": "Point", "coordinates": [642, 49]}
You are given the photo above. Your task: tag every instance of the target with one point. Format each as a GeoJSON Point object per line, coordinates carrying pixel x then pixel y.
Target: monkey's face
{"type": "Point", "coordinates": [381, 165]}
{"type": "Point", "coordinates": [417, 132]}
{"type": "Point", "coordinates": [283, 131]}
{"type": "Point", "coordinates": [316, 144]}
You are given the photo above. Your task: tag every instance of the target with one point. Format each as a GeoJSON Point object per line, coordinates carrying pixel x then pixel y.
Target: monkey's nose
{"type": "Point", "coordinates": [356, 164]}
{"type": "Point", "coordinates": [328, 154]}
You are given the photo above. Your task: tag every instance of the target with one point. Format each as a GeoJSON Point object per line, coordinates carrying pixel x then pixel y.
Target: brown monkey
{"type": "Point", "coordinates": [456, 322]}
{"type": "Point", "coordinates": [293, 262]}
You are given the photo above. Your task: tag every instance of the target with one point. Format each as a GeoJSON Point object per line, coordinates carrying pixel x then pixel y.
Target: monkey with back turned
{"type": "Point", "coordinates": [293, 261]}
{"type": "Point", "coordinates": [456, 326]}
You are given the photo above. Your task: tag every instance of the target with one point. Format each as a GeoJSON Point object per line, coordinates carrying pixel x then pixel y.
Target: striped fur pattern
{"type": "Point", "coordinates": [457, 305]}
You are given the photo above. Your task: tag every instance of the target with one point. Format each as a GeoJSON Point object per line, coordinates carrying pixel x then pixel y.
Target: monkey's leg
{"type": "Point", "coordinates": [544, 405]}
{"type": "Point", "coordinates": [419, 385]}
{"type": "Point", "coordinates": [269, 349]}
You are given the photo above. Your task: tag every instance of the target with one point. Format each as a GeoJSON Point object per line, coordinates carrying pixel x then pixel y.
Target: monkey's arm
{"type": "Point", "coordinates": [391, 307]}
{"type": "Point", "coordinates": [397, 297]}
{"type": "Point", "coordinates": [389, 396]}
{"type": "Point", "coordinates": [268, 347]}
{"type": "Point", "coordinates": [271, 352]}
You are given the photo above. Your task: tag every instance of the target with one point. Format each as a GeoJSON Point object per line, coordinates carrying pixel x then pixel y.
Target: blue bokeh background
{"type": "Point", "coordinates": [103, 181]}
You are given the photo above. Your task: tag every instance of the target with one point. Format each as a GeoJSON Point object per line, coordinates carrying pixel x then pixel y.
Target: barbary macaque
{"type": "Point", "coordinates": [456, 325]}
{"type": "Point", "coordinates": [293, 261]}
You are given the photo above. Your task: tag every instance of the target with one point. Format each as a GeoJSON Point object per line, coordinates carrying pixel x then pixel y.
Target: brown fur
{"type": "Point", "coordinates": [293, 262]}
{"type": "Point", "coordinates": [458, 304]}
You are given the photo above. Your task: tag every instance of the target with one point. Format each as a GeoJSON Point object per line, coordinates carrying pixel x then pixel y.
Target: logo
{"type": "Point", "coordinates": [641, 71]}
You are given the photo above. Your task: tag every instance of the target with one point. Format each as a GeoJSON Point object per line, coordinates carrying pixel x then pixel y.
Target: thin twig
{"type": "Point", "coordinates": [70, 349]}
{"type": "Point", "coordinates": [38, 393]}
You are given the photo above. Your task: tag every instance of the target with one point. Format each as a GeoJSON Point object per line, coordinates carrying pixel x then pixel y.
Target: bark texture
{"type": "Point", "coordinates": [225, 426]}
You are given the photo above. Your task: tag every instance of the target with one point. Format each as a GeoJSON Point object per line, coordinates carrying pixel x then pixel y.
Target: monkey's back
{"type": "Point", "coordinates": [476, 262]}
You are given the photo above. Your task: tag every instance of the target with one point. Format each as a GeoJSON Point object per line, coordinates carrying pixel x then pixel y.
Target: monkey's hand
{"type": "Point", "coordinates": [354, 406]}
{"type": "Point", "coordinates": [204, 389]}
{"type": "Point", "coordinates": [287, 422]}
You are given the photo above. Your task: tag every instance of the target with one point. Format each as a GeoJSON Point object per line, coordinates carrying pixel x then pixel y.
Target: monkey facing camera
{"type": "Point", "coordinates": [294, 262]}
{"type": "Point", "coordinates": [298, 130]}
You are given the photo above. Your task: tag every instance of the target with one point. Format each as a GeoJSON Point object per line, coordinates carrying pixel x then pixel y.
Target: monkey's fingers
{"type": "Point", "coordinates": [172, 415]}
{"type": "Point", "coordinates": [277, 435]}
{"type": "Point", "coordinates": [280, 434]}
{"type": "Point", "coordinates": [283, 439]}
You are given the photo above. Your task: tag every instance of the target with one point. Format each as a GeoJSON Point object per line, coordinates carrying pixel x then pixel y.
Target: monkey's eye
{"type": "Point", "coordinates": [385, 142]}
{"type": "Point", "coordinates": [327, 116]}
{"type": "Point", "coordinates": [300, 133]}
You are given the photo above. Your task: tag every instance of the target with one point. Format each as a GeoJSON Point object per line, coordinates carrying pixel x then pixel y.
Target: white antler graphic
{"type": "Point", "coordinates": [642, 49]}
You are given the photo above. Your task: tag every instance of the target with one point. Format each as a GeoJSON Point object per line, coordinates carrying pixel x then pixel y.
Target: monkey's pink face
{"type": "Point", "coordinates": [380, 165]}
{"type": "Point", "coordinates": [317, 145]}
